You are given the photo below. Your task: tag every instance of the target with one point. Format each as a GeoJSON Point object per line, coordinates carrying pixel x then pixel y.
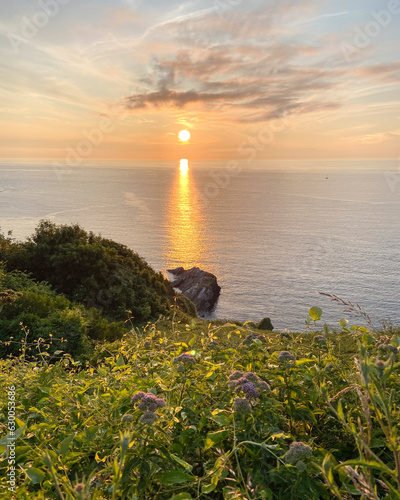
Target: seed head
{"type": "Point", "coordinates": [126, 418]}
{"type": "Point", "coordinates": [386, 348]}
{"type": "Point", "coordinates": [148, 418]}
{"type": "Point", "coordinates": [236, 375]}
{"type": "Point", "coordinates": [297, 451]}
{"type": "Point", "coordinates": [251, 377]}
{"type": "Point", "coordinates": [185, 358]}
{"type": "Point", "coordinates": [79, 488]}
{"type": "Point", "coordinates": [285, 357]}
{"type": "Point", "coordinates": [241, 405]}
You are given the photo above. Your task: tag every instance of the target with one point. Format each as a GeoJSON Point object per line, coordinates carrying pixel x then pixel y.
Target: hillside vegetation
{"type": "Point", "coordinates": [93, 271]}
{"type": "Point", "coordinates": [193, 410]}
{"type": "Point", "coordinates": [114, 389]}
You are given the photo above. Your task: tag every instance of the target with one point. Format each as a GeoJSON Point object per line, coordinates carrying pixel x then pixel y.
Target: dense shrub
{"type": "Point", "coordinates": [94, 271]}
{"type": "Point", "coordinates": [30, 311]}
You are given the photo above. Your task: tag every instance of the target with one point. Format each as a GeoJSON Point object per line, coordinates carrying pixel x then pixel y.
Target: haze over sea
{"type": "Point", "coordinates": [274, 234]}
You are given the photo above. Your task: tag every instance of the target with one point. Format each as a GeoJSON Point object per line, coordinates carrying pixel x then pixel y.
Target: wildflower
{"type": "Point", "coordinates": [285, 357]}
{"type": "Point", "coordinates": [242, 380]}
{"type": "Point", "coordinates": [147, 344]}
{"type": "Point", "coordinates": [150, 402]}
{"type": "Point", "coordinates": [185, 358]}
{"type": "Point", "coordinates": [320, 339]}
{"type": "Point", "coordinates": [249, 389]}
{"type": "Point", "coordinates": [148, 418]}
{"type": "Point", "coordinates": [79, 488]}
{"type": "Point", "coordinates": [381, 367]}
{"type": "Point", "coordinates": [137, 396]}
{"type": "Point", "coordinates": [297, 451]}
{"type": "Point", "coordinates": [241, 405]}
{"type": "Point", "coordinates": [251, 377]}
{"type": "Point", "coordinates": [235, 375]}
{"type": "Point", "coordinates": [126, 418]}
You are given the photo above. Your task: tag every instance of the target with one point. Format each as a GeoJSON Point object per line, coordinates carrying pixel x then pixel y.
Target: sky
{"type": "Point", "coordinates": [250, 79]}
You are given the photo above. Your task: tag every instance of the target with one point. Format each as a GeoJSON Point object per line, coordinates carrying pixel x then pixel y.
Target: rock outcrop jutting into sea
{"type": "Point", "coordinates": [199, 286]}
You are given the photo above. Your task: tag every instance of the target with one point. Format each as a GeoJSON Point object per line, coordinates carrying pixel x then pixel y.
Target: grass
{"type": "Point", "coordinates": [317, 422]}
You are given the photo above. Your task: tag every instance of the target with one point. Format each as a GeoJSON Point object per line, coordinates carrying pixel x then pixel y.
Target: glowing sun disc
{"type": "Point", "coordinates": [184, 135]}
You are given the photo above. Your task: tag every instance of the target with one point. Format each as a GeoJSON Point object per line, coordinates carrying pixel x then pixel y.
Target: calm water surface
{"type": "Point", "coordinates": [274, 234]}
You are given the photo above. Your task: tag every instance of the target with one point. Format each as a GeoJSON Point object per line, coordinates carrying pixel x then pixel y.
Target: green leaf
{"type": "Point", "coordinates": [184, 464]}
{"type": "Point", "coordinates": [182, 496]}
{"type": "Point", "coordinates": [215, 438]}
{"type": "Point", "coordinates": [343, 322]}
{"type": "Point", "coordinates": [176, 477]}
{"type": "Point", "coordinates": [35, 475]}
{"type": "Point", "coordinates": [340, 411]}
{"type": "Point", "coordinates": [363, 463]}
{"type": "Point", "coordinates": [65, 444]}
{"type": "Point", "coordinates": [192, 341]}
{"type": "Point", "coordinates": [303, 361]}
{"type": "Point", "coordinates": [120, 361]}
{"type": "Point", "coordinates": [315, 313]}
{"type": "Point", "coordinates": [221, 419]}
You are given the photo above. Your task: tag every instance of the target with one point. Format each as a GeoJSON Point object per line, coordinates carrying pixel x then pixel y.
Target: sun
{"type": "Point", "coordinates": [184, 135]}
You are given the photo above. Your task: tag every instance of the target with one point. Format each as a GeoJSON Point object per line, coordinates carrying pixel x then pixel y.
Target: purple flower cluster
{"type": "Point", "coordinates": [249, 383]}
{"type": "Point", "coordinates": [285, 357]}
{"type": "Point", "coordinates": [149, 403]}
{"type": "Point", "coordinates": [185, 358]}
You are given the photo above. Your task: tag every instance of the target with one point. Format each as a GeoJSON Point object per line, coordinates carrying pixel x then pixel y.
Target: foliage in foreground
{"type": "Point", "coordinates": [212, 412]}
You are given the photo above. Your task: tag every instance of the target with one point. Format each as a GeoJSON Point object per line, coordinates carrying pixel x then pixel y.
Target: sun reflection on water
{"type": "Point", "coordinates": [185, 223]}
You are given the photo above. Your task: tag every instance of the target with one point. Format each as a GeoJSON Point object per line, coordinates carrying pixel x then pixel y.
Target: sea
{"type": "Point", "coordinates": [275, 233]}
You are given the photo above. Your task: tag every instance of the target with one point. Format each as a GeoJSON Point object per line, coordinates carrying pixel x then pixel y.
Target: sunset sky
{"type": "Point", "coordinates": [250, 79]}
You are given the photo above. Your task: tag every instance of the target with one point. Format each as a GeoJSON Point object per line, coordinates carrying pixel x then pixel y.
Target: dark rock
{"type": "Point", "coordinates": [199, 286]}
{"type": "Point", "coordinates": [265, 324]}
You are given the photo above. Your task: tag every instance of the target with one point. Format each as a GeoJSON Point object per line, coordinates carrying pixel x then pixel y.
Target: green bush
{"type": "Point", "coordinates": [94, 271]}
{"type": "Point", "coordinates": [32, 311]}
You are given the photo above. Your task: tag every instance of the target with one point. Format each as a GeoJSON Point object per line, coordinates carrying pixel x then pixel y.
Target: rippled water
{"type": "Point", "coordinates": [275, 233]}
